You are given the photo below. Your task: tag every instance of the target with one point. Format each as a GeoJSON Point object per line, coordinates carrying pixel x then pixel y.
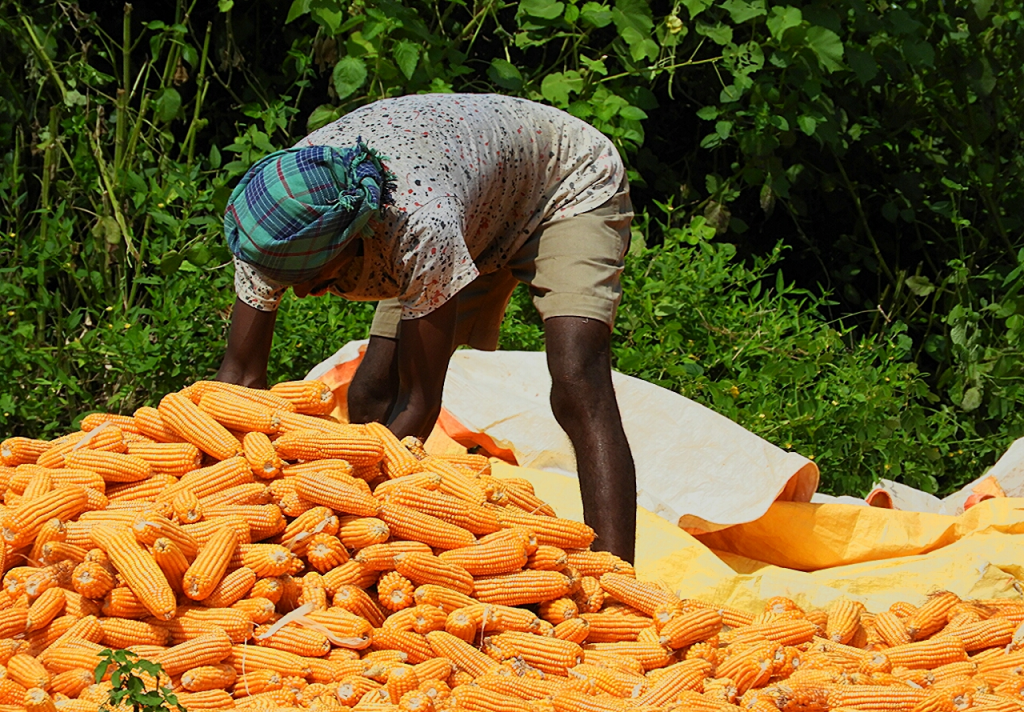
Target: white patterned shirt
{"type": "Point", "coordinates": [476, 175]}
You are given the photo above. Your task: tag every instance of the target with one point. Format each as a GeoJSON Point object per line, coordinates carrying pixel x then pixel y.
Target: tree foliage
{"type": "Point", "coordinates": [879, 144]}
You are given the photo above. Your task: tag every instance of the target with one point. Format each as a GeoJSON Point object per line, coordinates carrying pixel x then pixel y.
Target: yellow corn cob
{"type": "Point", "coordinates": [412, 647]}
{"type": "Point", "coordinates": [395, 592]}
{"type": "Point", "coordinates": [420, 619]}
{"type": "Point", "coordinates": [342, 442]}
{"type": "Point", "coordinates": [123, 632]}
{"type": "Point", "coordinates": [891, 628]}
{"type": "Point", "coordinates": [351, 573]}
{"type": "Point", "coordinates": [94, 420]}
{"type": "Point", "coordinates": [27, 671]}
{"type": "Point", "coordinates": [398, 461]}
{"type": "Point", "coordinates": [197, 390]}
{"type": "Point", "coordinates": [144, 491]}
{"type": "Point", "coordinates": [149, 526]}
{"type": "Point", "coordinates": [455, 481]}
{"type": "Point", "coordinates": [210, 565]}
{"type": "Point", "coordinates": [478, 699]}
{"type": "Point", "coordinates": [324, 552]}
{"type": "Point", "coordinates": [926, 654]}
{"type": "Point", "coordinates": [21, 524]}
{"type": "Point", "coordinates": [470, 622]}
{"type": "Point", "coordinates": [331, 491]}
{"type": "Point", "coordinates": [558, 610]}
{"type": "Point", "coordinates": [111, 466]}
{"type": "Point", "coordinates": [184, 418]}
{"type": "Point", "coordinates": [150, 424]}
{"type": "Point", "coordinates": [138, 568]}
{"type": "Point", "coordinates": [420, 480]}
{"type": "Point", "coordinates": [453, 510]}
{"type": "Point", "coordinates": [168, 458]}
{"type": "Point", "coordinates": [549, 655]}
{"type": "Point", "coordinates": [232, 588]}
{"type": "Point", "coordinates": [351, 690]}
{"type": "Point", "coordinates": [267, 559]}
{"type": "Point", "coordinates": [209, 649]}
{"type": "Point", "coordinates": [843, 620]}
{"type": "Point", "coordinates": [195, 621]}
{"type": "Point", "coordinates": [499, 555]}
{"type": "Point", "coordinates": [52, 530]}
{"type": "Point", "coordinates": [186, 506]}
{"type": "Point", "coordinates": [44, 609]}
{"type": "Point", "coordinates": [252, 493]}
{"type": "Point", "coordinates": [296, 422]}
{"type": "Point", "coordinates": [416, 701]}
{"type": "Point", "coordinates": [521, 588]}
{"type": "Point", "coordinates": [21, 451]}
{"type": "Point", "coordinates": [548, 558]}
{"type": "Point", "coordinates": [108, 439]}
{"type": "Point", "coordinates": [931, 616]}
{"type": "Point", "coordinates": [55, 551]}
{"type": "Point", "coordinates": [309, 397]}
{"type": "Point", "coordinates": [523, 688]}
{"type": "Point", "coordinates": [615, 627]}
{"type": "Point", "coordinates": [464, 656]}
{"type": "Point", "coordinates": [355, 600]}
{"type": "Point", "coordinates": [424, 568]}
{"type": "Point", "coordinates": [995, 632]}
{"type": "Point", "coordinates": [410, 524]}
{"type": "Point", "coordinates": [648, 655]}
{"type": "Point", "coordinates": [872, 697]}
{"type": "Point", "coordinates": [26, 474]}
{"type": "Point", "coordinates": [525, 499]}
{"type": "Point", "coordinates": [264, 520]}
{"type": "Point", "coordinates": [690, 628]}
{"type": "Point", "coordinates": [600, 680]}
{"type": "Point", "coordinates": [171, 560]}
{"type": "Point", "coordinates": [208, 480]}
{"type": "Point", "coordinates": [72, 682]}
{"type": "Point", "coordinates": [573, 629]}
{"type": "Point", "coordinates": [237, 413]}
{"type": "Point", "coordinates": [203, 531]}
{"type": "Point", "coordinates": [261, 456]}
{"type": "Point", "coordinates": [259, 610]}
{"type": "Point", "coordinates": [644, 597]}
{"type": "Point", "coordinates": [121, 602]}
{"type": "Point", "coordinates": [292, 639]}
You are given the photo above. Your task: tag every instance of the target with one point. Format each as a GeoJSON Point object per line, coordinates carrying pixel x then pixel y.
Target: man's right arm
{"type": "Point", "coordinates": [248, 350]}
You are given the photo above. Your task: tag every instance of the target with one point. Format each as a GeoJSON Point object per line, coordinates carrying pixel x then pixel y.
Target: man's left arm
{"type": "Point", "coordinates": [425, 346]}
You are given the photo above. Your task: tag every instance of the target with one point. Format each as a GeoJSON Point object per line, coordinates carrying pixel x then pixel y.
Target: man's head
{"type": "Point", "coordinates": [296, 210]}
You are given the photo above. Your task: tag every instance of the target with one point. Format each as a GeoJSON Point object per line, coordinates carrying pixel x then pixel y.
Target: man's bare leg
{"type": "Point", "coordinates": [583, 401]}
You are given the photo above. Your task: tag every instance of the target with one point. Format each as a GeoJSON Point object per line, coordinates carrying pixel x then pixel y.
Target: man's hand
{"type": "Point", "coordinates": [248, 349]}
{"type": "Point", "coordinates": [425, 346]}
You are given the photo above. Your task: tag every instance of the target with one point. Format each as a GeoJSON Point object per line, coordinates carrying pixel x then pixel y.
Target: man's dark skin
{"type": "Point", "coordinates": [400, 382]}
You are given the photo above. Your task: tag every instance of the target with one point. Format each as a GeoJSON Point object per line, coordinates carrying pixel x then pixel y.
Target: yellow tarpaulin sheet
{"type": "Point", "coordinates": [874, 556]}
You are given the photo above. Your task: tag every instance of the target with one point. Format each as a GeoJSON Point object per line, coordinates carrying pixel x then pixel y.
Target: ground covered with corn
{"type": "Point", "coordinates": [269, 557]}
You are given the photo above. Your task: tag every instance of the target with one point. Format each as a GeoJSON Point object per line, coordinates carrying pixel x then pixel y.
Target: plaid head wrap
{"type": "Point", "coordinates": [294, 210]}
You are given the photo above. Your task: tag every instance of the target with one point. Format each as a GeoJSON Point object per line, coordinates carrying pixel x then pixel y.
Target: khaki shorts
{"type": "Point", "coordinates": [572, 267]}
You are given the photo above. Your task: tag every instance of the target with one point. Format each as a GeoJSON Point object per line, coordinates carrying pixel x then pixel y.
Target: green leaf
{"type": "Point", "coordinates": [807, 124]}
{"type": "Point", "coordinates": [215, 158]}
{"type": "Point", "coordinates": [633, 15]}
{"type": "Point", "coordinates": [782, 19]}
{"type": "Point", "coordinates": [225, 5]}
{"type": "Point", "coordinates": [597, 66]}
{"type": "Point", "coordinates": [557, 86]}
{"type": "Point", "coordinates": [596, 14]}
{"type": "Point", "coordinates": [971, 399]}
{"type": "Point", "coordinates": [696, 7]}
{"type": "Point", "coordinates": [633, 113]}
{"type": "Point", "coordinates": [321, 116]}
{"type": "Point", "coordinates": [708, 113]}
{"type": "Point", "coordinates": [407, 56]}
{"type": "Point", "coordinates": [542, 9]}
{"type": "Point", "coordinates": [919, 52]}
{"type": "Point", "coordinates": [199, 255]}
{"type": "Point", "coordinates": [166, 103]}
{"type": "Point", "coordinates": [982, 7]}
{"type": "Point", "coordinates": [827, 46]}
{"type": "Point", "coordinates": [920, 286]}
{"type": "Point", "coordinates": [505, 74]}
{"type": "Point", "coordinates": [297, 10]}
{"type": "Point", "coordinates": [720, 34]}
{"type": "Point", "coordinates": [330, 19]}
{"type": "Point", "coordinates": [349, 75]}
{"type": "Point", "coordinates": [862, 64]}
{"type": "Point", "coordinates": [740, 11]}
{"type": "Point", "coordinates": [189, 54]}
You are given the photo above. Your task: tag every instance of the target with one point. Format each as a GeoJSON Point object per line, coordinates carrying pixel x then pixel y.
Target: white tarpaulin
{"type": "Point", "coordinates": [695, 468]}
